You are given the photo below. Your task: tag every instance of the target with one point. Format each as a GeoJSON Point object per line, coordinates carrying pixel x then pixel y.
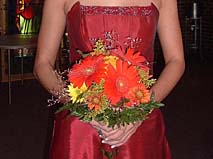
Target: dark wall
{"type": "Point", "coordinates": [11, 17]}
{"type": "Point", "coordinates": [208, 28]}
{"type": "Point", "coordinates": [205, 12]}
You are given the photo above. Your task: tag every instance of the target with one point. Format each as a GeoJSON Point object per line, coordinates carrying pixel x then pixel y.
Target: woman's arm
{"type": "Point", "coordinates": [171, 41]}
{"type": "Point", "coordinates": [51, 31]}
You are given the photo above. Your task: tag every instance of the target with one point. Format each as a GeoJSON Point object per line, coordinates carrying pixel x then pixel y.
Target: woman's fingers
{"type": "Point", "coordinates": [115, 136]}
{"type": "Point", "coordinates": [100, 126]}
{"type": "Point", "coordinates": [121, 130]}
{"type": "Point", "coordinates": [120, 136]}
{"type": "Point", "coordinates": [123, 139]}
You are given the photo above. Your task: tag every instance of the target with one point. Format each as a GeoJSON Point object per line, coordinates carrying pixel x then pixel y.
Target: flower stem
{"type": "Point", "coordinates": [110, 154]}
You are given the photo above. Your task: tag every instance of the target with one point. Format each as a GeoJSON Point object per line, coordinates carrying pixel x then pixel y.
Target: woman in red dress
{"type": "Point", "coordinates": [121, 23]}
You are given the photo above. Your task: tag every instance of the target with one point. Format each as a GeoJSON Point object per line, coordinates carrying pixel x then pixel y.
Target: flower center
{"type": "Point", "coordinates": [95, 100]}
{"type": "Point", "coordinates": [139, 94]}
{"type": "Point", "coordinates": [89, 71]}
{"type": "Point", "coordinates": [121, 84]}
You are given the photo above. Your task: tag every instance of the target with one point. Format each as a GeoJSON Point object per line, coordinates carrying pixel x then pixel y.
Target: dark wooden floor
{"type": "Point", "coordinates": [188, 116]}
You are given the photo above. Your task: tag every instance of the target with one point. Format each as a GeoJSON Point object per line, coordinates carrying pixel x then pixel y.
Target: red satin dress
{"type": "Point", "coordinates": [120, 26]}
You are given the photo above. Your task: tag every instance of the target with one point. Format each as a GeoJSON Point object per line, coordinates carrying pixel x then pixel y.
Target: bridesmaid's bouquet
{"type": "Point", "coordinates": [111, 86]}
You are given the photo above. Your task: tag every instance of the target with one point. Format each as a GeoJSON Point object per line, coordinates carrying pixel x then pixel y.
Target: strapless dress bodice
{"type": "Point", "coordinates": [126, 26]}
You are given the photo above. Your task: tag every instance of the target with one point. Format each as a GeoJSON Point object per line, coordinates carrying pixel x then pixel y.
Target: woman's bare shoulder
{"type": "Point", "coordinates": [157, 3]}
{"type": "Point", "coordinates": [68, 5]}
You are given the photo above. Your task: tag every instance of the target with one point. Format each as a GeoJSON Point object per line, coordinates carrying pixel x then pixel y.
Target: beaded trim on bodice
{"type": "Point", "coordinates": [122, 11]}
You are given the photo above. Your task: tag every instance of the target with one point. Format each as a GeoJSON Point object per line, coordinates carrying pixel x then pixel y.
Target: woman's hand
{"type": "Point", "coordinates": [61, 93]}
{"type": "Point", "coordinates": [115, 136]}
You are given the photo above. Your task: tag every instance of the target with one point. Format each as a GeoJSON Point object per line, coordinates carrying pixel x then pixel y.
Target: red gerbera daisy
{"type": "Point", "coordinates": [91, 69]}
{"type": "Point", "coordinates": [132, 57]}
{"type": "Point", "coordinates": [118, 81]}
{"type": "Point", "coordinates": [135, 58]}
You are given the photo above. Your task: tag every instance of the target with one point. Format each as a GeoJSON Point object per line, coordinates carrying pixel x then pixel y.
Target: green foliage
{"type": "Point", "coordinates": [110, 155]}
{"type": "Point", "coordinates": [112, 117]}
{"type": "Point", "coordinates": [145, 78]}
{"type": "Point", "coordinates": [99, 47]}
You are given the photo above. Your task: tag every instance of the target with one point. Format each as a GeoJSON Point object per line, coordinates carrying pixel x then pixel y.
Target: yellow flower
{"type": "Point", "coordinates": [74, 93]}
{"type": "Point", "coordinates": [111, 60]}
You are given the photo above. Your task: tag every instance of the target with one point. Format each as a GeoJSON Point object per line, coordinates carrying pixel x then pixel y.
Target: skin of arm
{"type": "Point", "coordinates": [171, 41]}
{"type": "Point", "coordinates": [51, 31]}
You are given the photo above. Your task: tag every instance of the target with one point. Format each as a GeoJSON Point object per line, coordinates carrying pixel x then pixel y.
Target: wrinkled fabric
{"type": "Point", "coordinates": [73, 139]}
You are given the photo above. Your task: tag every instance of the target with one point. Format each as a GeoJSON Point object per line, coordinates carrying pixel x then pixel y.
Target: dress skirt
{"type": "Point", "coordinates": [74, 139]}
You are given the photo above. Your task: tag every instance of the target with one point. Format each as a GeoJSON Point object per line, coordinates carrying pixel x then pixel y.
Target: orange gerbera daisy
{"type": "Point", "coordinates": [118, 81]}
{"type": "Point", "coordinates": [139, 94]}
{"type": "Point", "coordinates": [91, 69]}
{"type": "Point", "coordinates": [94, 102]}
